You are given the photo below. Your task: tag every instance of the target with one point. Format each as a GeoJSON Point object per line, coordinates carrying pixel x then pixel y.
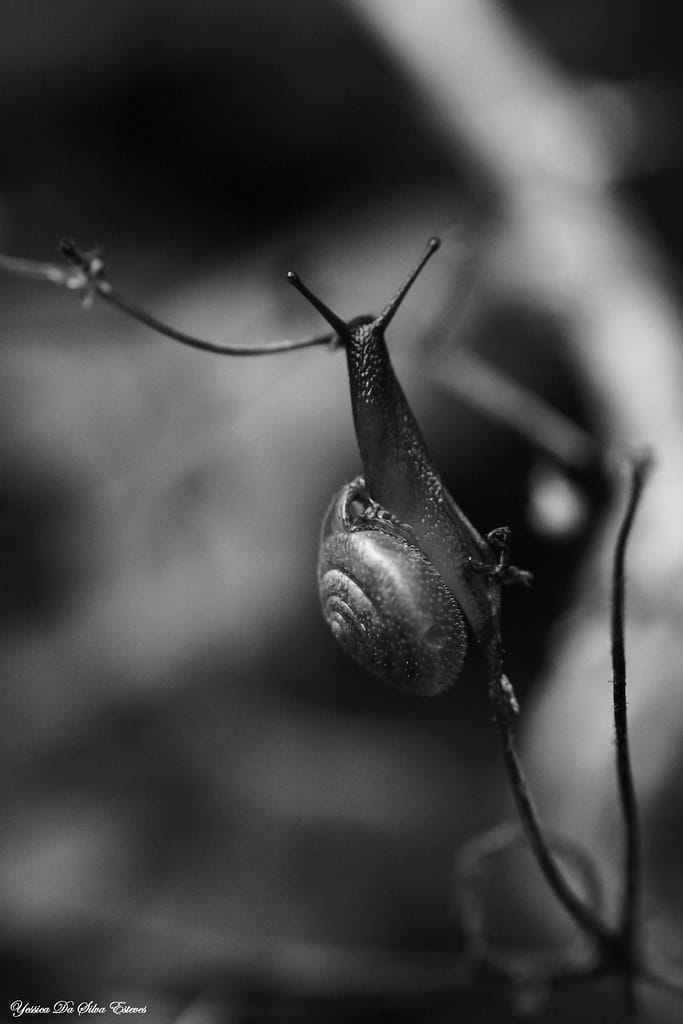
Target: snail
{"type": "Point", "coordinates": [402, 572]}
{"type": "Point", "coordinates": [384, 601]}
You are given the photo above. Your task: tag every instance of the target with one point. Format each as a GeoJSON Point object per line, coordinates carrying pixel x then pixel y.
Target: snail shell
{"type": "Point", "coordinates": [384, 601]}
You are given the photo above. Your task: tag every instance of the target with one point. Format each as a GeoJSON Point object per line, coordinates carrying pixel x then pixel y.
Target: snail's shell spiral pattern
{"type": "Point", "coordinates": [385, 602]}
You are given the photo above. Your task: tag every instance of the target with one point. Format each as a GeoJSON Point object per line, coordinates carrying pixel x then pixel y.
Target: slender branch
{"type": "Point", "coordinates": [502, 838]}
{"type": "Point", "coordinates": [529, 817]}
{"type": "Point", "coordinates": [487, 389]}
{"type": "Point", "coordinates": [505, 709]}
{"type": "Point", "coordinates": [662, 979]}
{"type": "Point", "coordinates": [86, 274]}
{"type": "Point", "coordinates": [628, 922]}
{"type": "Point", "coordinates": [495, 394]}
{"type": "Point", "coordinates": [36, 271]}
{"type": "Point", "coordinates": [618, 945]}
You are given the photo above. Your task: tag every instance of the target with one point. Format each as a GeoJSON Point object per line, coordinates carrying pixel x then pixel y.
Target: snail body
{"type": "Point", "coordinates": [384, 601]}
{"type": "Point", "coordinates": [402, 478]}
{"type": "Point", "coordinates": [401, 568]}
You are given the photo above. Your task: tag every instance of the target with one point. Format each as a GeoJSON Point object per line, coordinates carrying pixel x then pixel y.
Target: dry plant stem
{"type": "Point", "coordinates": [485, 388]}
{"type": "Point", "coordinates": [268, 348]}
{"type": "Point", "coordinates": [589, 922]}
{"type": "Point", "coordinates": [504, 711]}
{"type": "Point", "coordinates": [630, 899]}
{"type": "Point", "coordinates": [34, 270]}
{"type": "Point", "coordinates": [620, 945]}
{"type": "Point", "coordinates": [473, 856]}
{"type": "Point", "coordinates": [504, 400]}
{"type": "Point", "coordinates": [87, 276]}
{"type": "Point", "coordinates": [662, 980]}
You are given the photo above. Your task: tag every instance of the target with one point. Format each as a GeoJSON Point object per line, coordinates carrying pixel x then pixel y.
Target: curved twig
{"type": "Point", "coordinates": [496, 841]}
{"type": "Point", "coordinates": [628, 926]}
{"type": "Point", "coordinates": [639, 469]}
{"type": "Point", "coordinates": [86, 274]}
{"type": "Point", "coordinates": [578, 910]}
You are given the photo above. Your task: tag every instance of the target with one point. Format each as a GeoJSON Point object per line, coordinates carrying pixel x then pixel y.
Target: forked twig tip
{"type": "Point", "coordinates": [69, 251]}
{"type": "Point", "coordinates": [90, 263]}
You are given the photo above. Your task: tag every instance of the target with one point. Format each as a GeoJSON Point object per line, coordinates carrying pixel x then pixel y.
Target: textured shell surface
{"type": "Point", "coordinates": [384, 601]}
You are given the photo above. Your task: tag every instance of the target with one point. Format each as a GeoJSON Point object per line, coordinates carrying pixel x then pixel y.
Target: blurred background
{"type": "Point", "coordinates": [207, 809]}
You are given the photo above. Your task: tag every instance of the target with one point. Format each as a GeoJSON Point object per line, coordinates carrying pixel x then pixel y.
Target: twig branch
{"type": "Point", "coordinates": [502, 399]}
{"type": "Point", "coordinates": [86, 274]}
{"type": "Point", "coordinates": [662, 979]}
{"type": "Point", "coordinates": [618, 945]}
{"type": "Point", "coordinates": [505, 709]}
{"type": "Point", "coordinates": [523, 970]}
{"type": "Point", "coordinates": [487, 389]}
{"type": "Point", "coordinates": [473, 856]}
{"type": "Point", "coordinates": [630, 899]}
{"type": "Point", "coordinates": [531, 822]}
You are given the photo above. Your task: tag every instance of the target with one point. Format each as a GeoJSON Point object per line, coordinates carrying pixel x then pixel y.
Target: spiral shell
{"type": "Point", "coordinates": [384, 601]}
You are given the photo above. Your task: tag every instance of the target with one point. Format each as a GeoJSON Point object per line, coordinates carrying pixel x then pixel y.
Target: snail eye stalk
{"type": "Point", "coordinates": [336, 322]}
{"type": "Point", "coordinates": [390, 310]}
{"type": "Point", "coordinates": [380, 323]}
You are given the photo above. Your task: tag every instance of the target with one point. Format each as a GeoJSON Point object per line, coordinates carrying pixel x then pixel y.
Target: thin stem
{"type": "Point", "coordinates": [37, 271]}
{"type": "Point", "coordinates": [505, 709]}
{"type": "Point", "coordinates": [620, 945]}
{"type": "Point", "coordinates": [662, 979]}
{"type": "Point", "coordinates": [222, 349]}
{"type": "Point", "coordinates": [529, 817]}
{"type": "Point", "coordinates": [628, 923]}
{"type": "Point", "coordinates": [473, 855]}
{"type": "Point", "coordinates": [87, 276]}
{"type": "Point", "coordinates": [495, 394]}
